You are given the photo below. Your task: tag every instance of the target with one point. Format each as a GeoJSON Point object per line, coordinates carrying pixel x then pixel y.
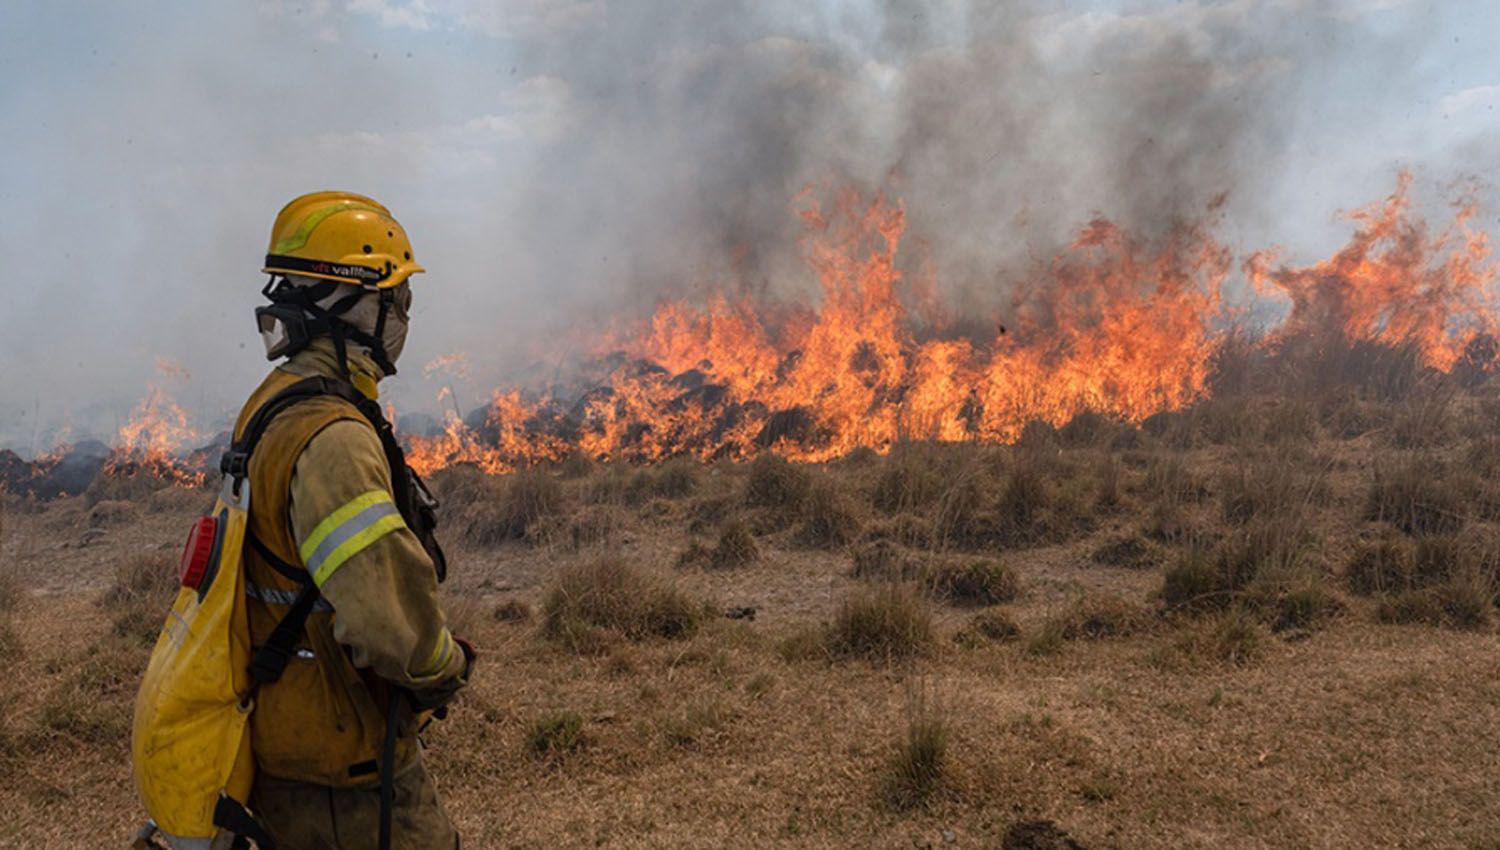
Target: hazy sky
{"type": "Point", "coordinates": [555, 159]}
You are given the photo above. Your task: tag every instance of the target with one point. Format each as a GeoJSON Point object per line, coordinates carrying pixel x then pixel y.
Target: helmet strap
{"type": "Point", "coordinates": [327, 320]}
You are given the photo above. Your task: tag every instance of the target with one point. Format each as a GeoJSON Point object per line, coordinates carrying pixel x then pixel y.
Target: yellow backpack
{"type": "Point", "coordinates": [190, 743]}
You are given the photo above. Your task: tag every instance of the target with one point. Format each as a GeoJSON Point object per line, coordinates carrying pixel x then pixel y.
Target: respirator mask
{"type": "Point", "coordinates": [307, 308]}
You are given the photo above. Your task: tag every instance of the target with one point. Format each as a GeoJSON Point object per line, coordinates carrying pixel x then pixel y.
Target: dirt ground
{"type": "Point", "coordinates": [1351, 729]}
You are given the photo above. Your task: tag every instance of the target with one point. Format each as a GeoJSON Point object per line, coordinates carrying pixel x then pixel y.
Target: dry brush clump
{"type": "Point", "coordinates": [971, 581]}
{"type": "Point", "coordinates": [774, 482]}
{"type": "Point", "coordinates": [736, 547]}
{"type": "Point", "coordinates": [887, 621]}
{"type": "Point", "coordinates": [555, 735]}
{"type": "Point", "coordinates": [487, 511]}
{"type": "Point", "coordinates": [592, 601]}
{"type": "Point", "coordinates": [992, 625]}
{"type": "Point", "coordinates": [1416, 496]}
{"type": "Point", "coordinates": [1093, 617]}
{"type": "Point", "coordinates": [911, 478]}
{"type": "Point", "coordinates": [916, 769]}
{"type": "Point", "coordinates": [137, 601]}
{"type": "Point", "coordinates": [827, 521]}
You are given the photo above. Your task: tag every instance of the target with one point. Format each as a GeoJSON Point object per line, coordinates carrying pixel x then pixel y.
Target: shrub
{"type": "Point", "coordinates": [513, 611]}
{"type": "Point", "coordinates": [1194, 583]}
{"type": "Point", "coordinates": [698, 720]}
{"type": "Point", "coordinates": [529, 495]}
{"type": "Point", "coordinates": [676, 478]}
{"type": "Point", "coordinates": [827, 522]}
{"type": "Point", "coordinates": [883, 559]}
{"type": "Point", "coordinates": [992, 625]}
{"type": "Point", "coordinates": [1128, 551]}
{"type": "Point", "coordinates": [1465, 602]}
{"type": "Point", "coordinates": [1265, 490]}
{"type": "Point", "coordinates": [773, 482]}
{"type": "Point", "coordinates": [736, 547]}
{"type": "Point", "coordinates": [595, 525]}
{"type": "Point", "coordinates": [1099, 617]}
{"type": "Point", "coordinates": [137, 601]}
{"type": "Point", "coordinates": [487, 513]}
{"type": "Point", "coordinates": [610, 595]}
{"type": "Point", "coordinates": [916, 769]}
{"type": "Point", "coordinates": [1422, 420]}
{"type": "Point", "coordinates": [555, 735]}
{"type": "Point", "coordinates": [1414, 497]}
{"type": "Point", "coordinates": [577, 464]}
{"type": "Point", "coordinates": [962, 516]}
{"type": "Point", "coordinates": [1087, 428]}
{"type": "Point", "coordinates": [973, 581]}
{"type": "Point", "coordinates": [887, 621]}
{"type": "Point", "coordinates": [463, 484]}
{"type": "Point", "coordinates": [1380, 565]}
{"type": "Point", "coordinates": [1023, 499]}
{"type": "Point", "coordinates": [909, 480]}
{"type": "Point", "coordinates": [1300, 607]}
{"type": "Point", "coordinates": [906, 529]}
{"type": "Point", "coordinates": [1233, 638]}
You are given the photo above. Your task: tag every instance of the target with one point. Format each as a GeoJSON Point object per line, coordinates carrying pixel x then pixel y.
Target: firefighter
{"type": "Point", "coordinates": [375, 657]}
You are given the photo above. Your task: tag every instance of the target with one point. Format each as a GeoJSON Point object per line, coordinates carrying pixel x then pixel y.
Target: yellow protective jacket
{"type": "Point", "coordinates": [321, 497]}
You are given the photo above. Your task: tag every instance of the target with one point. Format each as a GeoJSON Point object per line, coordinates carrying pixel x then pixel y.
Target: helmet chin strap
{"type": "Point", "coordinates": [328, 319]}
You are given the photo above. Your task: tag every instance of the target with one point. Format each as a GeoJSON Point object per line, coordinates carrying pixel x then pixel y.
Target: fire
{"type": "Point", "coordinates": [157, 434]}
{"type": "Point", "coordinates": [1394, 283]}
{"type": "Point", "coordinates": [1112, 324]}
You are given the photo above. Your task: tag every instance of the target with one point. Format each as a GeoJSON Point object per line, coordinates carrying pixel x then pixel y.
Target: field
{"type": "Point", "coordinates": [1265, 621]}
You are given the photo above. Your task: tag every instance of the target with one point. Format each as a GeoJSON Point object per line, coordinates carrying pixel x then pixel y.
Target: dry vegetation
{"type": "Point", "coordinates": [1264, 621]}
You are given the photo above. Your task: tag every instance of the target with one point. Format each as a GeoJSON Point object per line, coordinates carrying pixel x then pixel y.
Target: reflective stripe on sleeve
{"type": "Point", "coordinates": [347, 531]}
{"type": "Point", "coordinates": [439, 658]}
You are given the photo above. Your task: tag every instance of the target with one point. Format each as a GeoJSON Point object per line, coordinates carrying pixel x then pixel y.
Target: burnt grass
{"type": "Point", "coordinates": [1107, 614]}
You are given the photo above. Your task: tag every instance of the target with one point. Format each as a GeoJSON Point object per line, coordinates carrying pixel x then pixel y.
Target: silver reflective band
{"type": "Point", "coordinates": [277, 596]}
{"type": "Point", "coordinates": [346, 532]}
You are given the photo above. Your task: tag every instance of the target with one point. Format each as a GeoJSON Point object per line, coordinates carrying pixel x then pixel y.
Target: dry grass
{"type": "Point", "coordinates": [592, 601]}
{"type": "Point", "coordinates": [772, 482]}
{"type": "Point", "coordinates": [887, 621]}
{"type": "Point", "coordinates": [915, 771]}
{"type": "Point", "coordinates": [972, 581]}
{"type": "Point", "coordinates": [143, 589]}
{"type": "Point", "coordinates": [1282, 537]}
{"type": "Point", "coordinates": [827, 521]}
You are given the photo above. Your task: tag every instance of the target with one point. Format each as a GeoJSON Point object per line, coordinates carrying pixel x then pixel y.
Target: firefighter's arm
{"type": "Point", "coordinates": [370, 566]}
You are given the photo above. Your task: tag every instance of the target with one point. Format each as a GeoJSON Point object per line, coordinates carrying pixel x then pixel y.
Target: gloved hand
{"type": "Point", "coordinates": [431, 699]}
{"type": "Point", "coordinates": [470, 653]}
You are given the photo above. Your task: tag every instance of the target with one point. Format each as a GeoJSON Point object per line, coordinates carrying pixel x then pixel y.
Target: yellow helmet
{"type": "Point", "coordinates": [343, 237]}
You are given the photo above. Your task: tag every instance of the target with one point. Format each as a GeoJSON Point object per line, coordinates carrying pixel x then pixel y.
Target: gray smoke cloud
{"type": "Point", "coordinates": [564, 164]}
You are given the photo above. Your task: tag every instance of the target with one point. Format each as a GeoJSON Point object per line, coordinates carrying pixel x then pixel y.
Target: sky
{"type": "Point", "coordinates": [562, 163]}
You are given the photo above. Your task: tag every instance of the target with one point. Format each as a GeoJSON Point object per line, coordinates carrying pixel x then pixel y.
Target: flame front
{"type": "Point", "coordinates": [1112, 325]}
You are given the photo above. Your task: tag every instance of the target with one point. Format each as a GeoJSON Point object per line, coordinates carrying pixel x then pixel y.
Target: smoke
{"type": "Point", "coordinates": [564, 164]}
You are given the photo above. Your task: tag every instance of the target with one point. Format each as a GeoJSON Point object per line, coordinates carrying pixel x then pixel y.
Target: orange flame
{"type": "Point", "coordinates": [157, 434]}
